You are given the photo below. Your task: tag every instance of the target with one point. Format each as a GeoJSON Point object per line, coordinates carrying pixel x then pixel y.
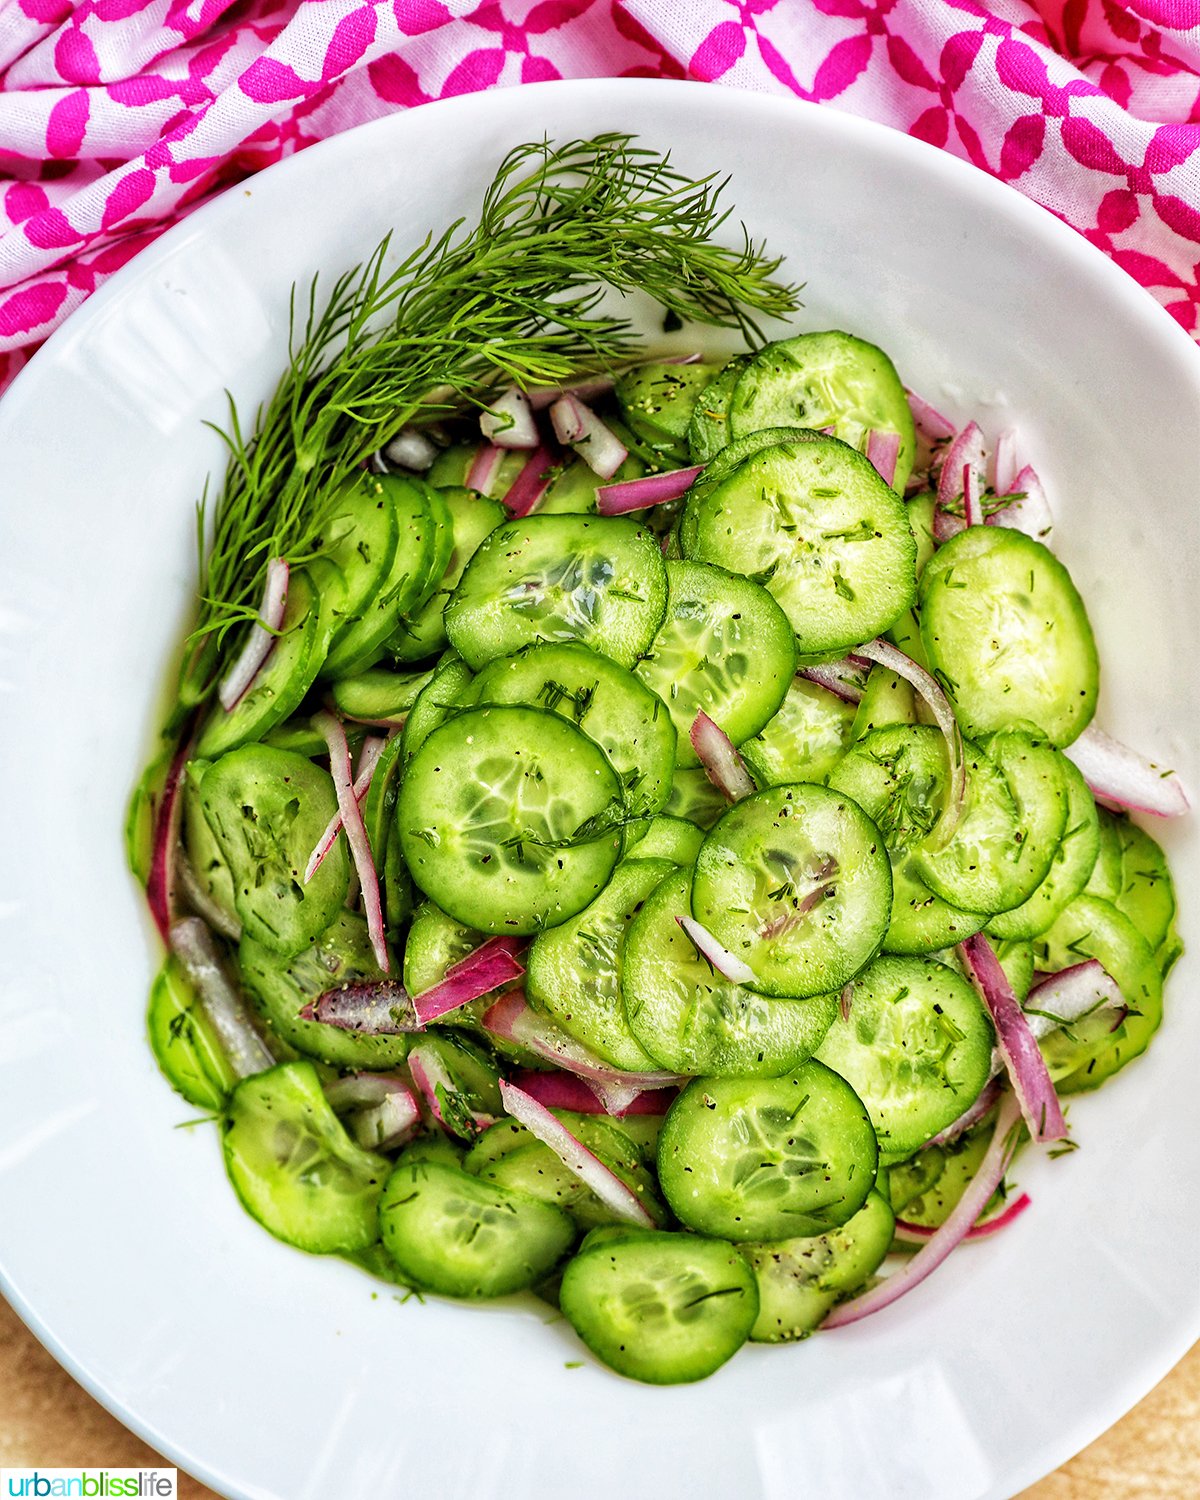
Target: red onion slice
{"type": "Point", "coordinates": [531, 483]}
{"type": "Point", "coordinates": [640, 494]}
{"type": "Point", "coordinates": [202, 903]}
{"type": "Point", "coordinates": [723, 766]}
{"type": "Point", "coordinates": [261, 640]}
{"type": "Point", "coordinates": [490, 966]}
{"type": "Point", "coordinates": [195, 948]}
{"type": "Point", "coordinates": [967, 449]}
{"type": "Point", "coordinates": [164, 849]}
{"type": "Point", "coordinates": [921, 1234]}
{"type": "Point", "coordinates": [1004, 463]}
{"type": "Point", "coordinates": [951, 1234]}
{"type": "Point", "coordinates": [430, 1073]}
{"type": "Point", "coordinates": [512, 1020]}
{"type": "Point", "coordinates": [1121, 775]}
{"type": "Point", "coordinates": [542, 396]}
{"type": "Point", "coordinates": [929, 422]}
{"type": "Point", "coordinates": [387, 1125]}
{"type": "Point", "coordinates": [1029, 511]}
{"type": "Point", "coordinates": [508, 421]}
{"type": "Point", "coordinates": [368, 758]}
{"type": "Point", "coordinates": [580, 428]}
{"type": "Point", "coordinates": [411, 449]}
{"type": "Point", "coordinates": [988, 1097]}
{"type": "Point", "coordinates": [356, 834]}
{"type": "Point", "coordinates": [484, 468]}
{"type": "Point", "coordinates": [1015, 1042]}
{"type": "Point", "coordinates": [883, 449]}
{"type": "Point", "coordinates": [939, 705]}
{"type": "Point", "coordinates": [566, 1091]}
{"type": "Point", "coordinates": [616, 1195]}
{"type": "Point", "coordinates": [725, 963]}
{"type": "Point", "coordinates": [972, 504]}
{"type": "Point", "coordinates": [1071, 994]}
{"type": "Point", "coordinates": [842, 678]}
{"type": "Point", "coordinates": [373, 1008]}
{"type": "Point", "coordinates": [362, 1090]}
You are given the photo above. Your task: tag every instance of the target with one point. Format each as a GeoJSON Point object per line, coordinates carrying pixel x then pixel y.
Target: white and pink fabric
{"type": "Point", "coordinates": [118, 117]}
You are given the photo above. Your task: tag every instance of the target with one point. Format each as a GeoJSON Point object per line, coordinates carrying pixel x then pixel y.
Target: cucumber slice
{"type": "Point", "coordinates": [202, 849]}
{"type": "Point", "coordinates": [799, 1280]}
{"type": "Point", "coordinates": [658, 399]}
{"type": "Point", "coordinates": [359, 538]}
{"type": "Point", "coordinates": [695, 799]}
{"type": "Point", "coordinates": [267, 809]}
{"type": "Point", "coordinates": [294, 1167]}
{"type": "Point", "coordinates": [898, 776]}
{"type": "Point", "coordinates": [668, 838]}
{"type": "Point", "coordinates": [285, 677]}
{"type": "Point", "coordinates": [693, 1021]}
{"type": "Point", "coordinates": [887, 699]}
{"type": "Point", "coordinates": [724, 648]}
{"type": "Point", "coordinates": [379, 805]}
{"type": "Point", "coordinates": [423, 632]}
{"type": "Point", "coordinates": [1147, 895]}
{"type": "Point", "coordinates": [1037, 778]}
{"type": "Point", "coordinates": [795, 881]}
{"type": "Point", "coordinates": [509, 819]}
{"type": "Point", "coordinates": [826, 380]}
{"type": "Point", "coordinates": [1007, 634]}
{"type": "Point", "coordinates": [815, 523]}
{"type": "Point", "coordinates": [944, 1173]}
{"type": "Point", "coordinates": [805, 739]}
{"type": "Point", "coordinates": [1091, 928]}
{"type": "Point", "coordinates": [378, 696]}
{"type": "Point", "coordinates": [662, 1308]}
{"type": "Point", "coordinates": [905, 634]}
{"type": "Point", "coordinates": [443, 694]}
{"type": "Point", "coordinates": [916, 1047]}
{"type": "Point", "coordinates": [435, 941]}
{"type": "Point", "coordinates": [1106, 878]}
{"type": "Point", "coordinates": [911, 1178]}
{"type": "Point", "coordinates": [708, 430]}
{"type": "Point", "coordinates": [609, 704]}
{"type": "Point", "coordinates": [453, 1234]}
{"type": "Point", "coordinates": [419, 519]}
{"type": "Point", "coordinates": [767, 1158]}
{"type": "Point", "coordinates": [595, 579]}
{"type": "Point", "coordinates": [574, 971]}
{"type": "Point", "coordinates": [281, 987]}
{"type": "Point", "coordinates": [184, 1044]}
{"type": "Point", "coordinates": [398, 894]}
{"type": "Point", "coordinates": [1070, 868]}
{"type": "Point", "coordinates": [450, 468]}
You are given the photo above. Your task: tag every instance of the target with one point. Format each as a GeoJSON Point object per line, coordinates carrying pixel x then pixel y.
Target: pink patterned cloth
{"type": "Point", "coordinates": [117, 117]}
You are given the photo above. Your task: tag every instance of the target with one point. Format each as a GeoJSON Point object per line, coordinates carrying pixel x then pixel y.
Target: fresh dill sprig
{"type": "Point", "coordinates": [516, 299]}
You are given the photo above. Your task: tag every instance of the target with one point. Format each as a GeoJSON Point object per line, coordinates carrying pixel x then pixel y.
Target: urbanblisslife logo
{"type": "Point", "coordinates": [90, 1484]}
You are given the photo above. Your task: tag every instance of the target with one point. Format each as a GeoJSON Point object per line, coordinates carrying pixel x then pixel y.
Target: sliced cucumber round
{"type": "Point", "coordinates": [815, 523]}
{"type": "Point", "coordinates": [804, 740]}
{"type": "Point", "coordinates": [916, 1045]}
{"type": "Point", "coordinates": [454, 1234]}
{"type": "Point", "coordinates": [185, 1046]}
{"type": "Point", "coordinates": [574, 970]}
{"type": "Point", "coordinates": [666, 838]}
{"type": "Point", "coordinates": [693, 1021]}
{"type": "Point", "coordinates": [795, 882]}
{"type": "Point", "coordinates": [268, 809]}
{"type": "Point", "coordinates": [605, 701]}
{"type": "Point", "coordinates": [1007, 634]}
{"type": "Point", "coordinates": [725, 648]}
{"type": "Point", "coordinates": [295, 1168]}
{"type": "Point", "coordinates": [595, 579]}
{"type": "Point", "coordinates": [708, 430]}
{"type": "Point", "coordinates": [661, 1308]}
{"type": "Point", "coordinates": [510, 819]}
{"type": "Point", "coordinates": [826, 380]}
{"type": "Point", "coordinates": [767, 1158]}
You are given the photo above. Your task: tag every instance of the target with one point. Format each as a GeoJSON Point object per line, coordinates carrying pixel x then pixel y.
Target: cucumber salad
{"type": "Point", "coordinates": [632, 827]}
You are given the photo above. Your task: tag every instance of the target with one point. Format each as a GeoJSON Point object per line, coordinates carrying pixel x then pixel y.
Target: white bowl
{"type": "Point", "coordinates": [269, 1373]}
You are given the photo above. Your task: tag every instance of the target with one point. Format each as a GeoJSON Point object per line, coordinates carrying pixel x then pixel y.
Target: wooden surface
{"type": "Point", "coordinates": [45, 1418]}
